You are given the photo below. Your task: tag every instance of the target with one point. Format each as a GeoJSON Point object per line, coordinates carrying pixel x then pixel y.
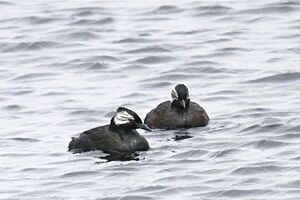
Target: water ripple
{"type": "Point", "coordinates": [30, 46]}
{"type": "Point", "coordinates": [278, 78]}
{"type": "Point", "coordinates": [82, 35]}
{"type": "Point", "coordinates": [13, 107]}
{"type": "Point", "coordinates": [150, 49]}
{"type": "Point", "coordinates": [39, 20]}
{"type": "Point", "coordinates": [5, 3]}
{"type": "Point", "coordinates": [266, 144]}
{"type": "Point", "coordinates": [22, 139]}
{"type": "Point", "coordinates": [271, 9]}
{"type": "Point", "coordinates": [35, 76]}
{"type": "Point", "coordinates": [154, 59]}
{"type": "Point", "coordinates": [133, 40]}
{"type": "Point", "coordinates": [166, 9]}
{"type": "Point", "coordinates": [216, 10]}
{"type": "Point", "coordinates": [78, 173]}
{"type": "Point", "coordinates": [86, 22]}
{"type": "Point", "coordinates": [257, 170]}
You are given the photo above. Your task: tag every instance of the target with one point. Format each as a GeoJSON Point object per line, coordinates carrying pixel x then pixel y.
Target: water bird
{"type": "Point", "coordinates": [120, 136]}
{"type": "Point", "coordinates": [180, 112]}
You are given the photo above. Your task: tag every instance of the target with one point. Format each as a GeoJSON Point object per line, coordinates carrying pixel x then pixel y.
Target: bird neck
{"type": "Point", "coordinates": [175, 106]}
{"type": "Point", "coordinates": [121, 129]}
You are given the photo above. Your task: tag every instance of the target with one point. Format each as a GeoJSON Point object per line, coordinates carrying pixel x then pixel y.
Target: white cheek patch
{"type": "Point", "coordinates": [122, 117]}
{"type": "Point", "coordinates": [174, 94]}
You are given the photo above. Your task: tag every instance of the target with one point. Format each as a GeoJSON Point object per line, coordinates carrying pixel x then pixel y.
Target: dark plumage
{"type": "Point", "coordinates": [178, 113]}
{"type": "Point", "coordinates": [119, 136]}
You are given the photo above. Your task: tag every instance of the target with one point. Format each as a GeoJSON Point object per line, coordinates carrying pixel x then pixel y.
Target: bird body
{"type": "Point", "coordinates": [118, 137]}
{"type": "Point", "coordinates": [164, 116]}
{"type": "Point", "coordinates": [178, 113]}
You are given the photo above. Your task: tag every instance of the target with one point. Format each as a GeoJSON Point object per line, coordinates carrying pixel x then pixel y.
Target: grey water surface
{"type": "Point", "coordinates": [65, 66]}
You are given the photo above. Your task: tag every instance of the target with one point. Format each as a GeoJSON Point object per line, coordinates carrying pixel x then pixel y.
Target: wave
{"type": "Point", "coordinates": [34, 76]}
{"type": "Point", "coordinates": [215, 10]}
{"type": "Point", "coordinates": [86, 22]}
{"type": "Point", "coordinates": [278, 78]}
{"type": "Point", "coordinates": [271, 9]}
{"type": "Point", "coordinates": [266, 169]}
{"type": "Point", "coordinates": [5, 3]}
{"type": "Point", "coordinates": [82, 35]}
{"type": "Point", "coordinates": [149, 49]}
{"type": "Point", "coordinates": [165, 9]}
{"type": "Point", "coordinates": [30, 46]}
{"type": "Point", "coordinates": [154, 60]}
{"type": "Point", "coordinates": [266, 144]}
{"type": "Point", "coordinates": [78, 174]}
{"type": "Point", "coordinates": [133, 40]}
{"type": "Point", "coordinates": [13, 107]}
{"type": "Point", "coordinates": [23, 139]}
{"type": "Point", "coordinates": [90, 66]}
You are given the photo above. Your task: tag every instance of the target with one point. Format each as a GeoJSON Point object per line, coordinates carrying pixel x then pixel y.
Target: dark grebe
{"type": "Point", "coordinates": [118, 137]}
{"type": "Point", "coordinates": [178, 113]}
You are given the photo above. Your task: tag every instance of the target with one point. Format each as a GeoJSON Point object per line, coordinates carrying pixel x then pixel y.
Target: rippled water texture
{"type": "Point", "coordinates": [65, 66]}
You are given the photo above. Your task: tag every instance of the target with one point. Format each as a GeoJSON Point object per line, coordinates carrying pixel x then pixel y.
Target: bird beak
{"type": "Point", "coordinates": [183, 104]}
{"type": "Point", "coordinates": [143, 126]}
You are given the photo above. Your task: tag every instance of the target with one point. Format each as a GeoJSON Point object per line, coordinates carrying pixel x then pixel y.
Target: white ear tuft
{"type": "Point", "coordinates": [174, 94]}
{"type": "Point", "coordinates": [188, 95]}
{"type": "Point", "coordinates": [122, 117]}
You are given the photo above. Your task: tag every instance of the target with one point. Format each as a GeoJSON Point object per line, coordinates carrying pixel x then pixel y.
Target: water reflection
{"type": "Point", "coordinates": [181, 135]}
{"type": "Point", "coordinates": [122, 157]}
